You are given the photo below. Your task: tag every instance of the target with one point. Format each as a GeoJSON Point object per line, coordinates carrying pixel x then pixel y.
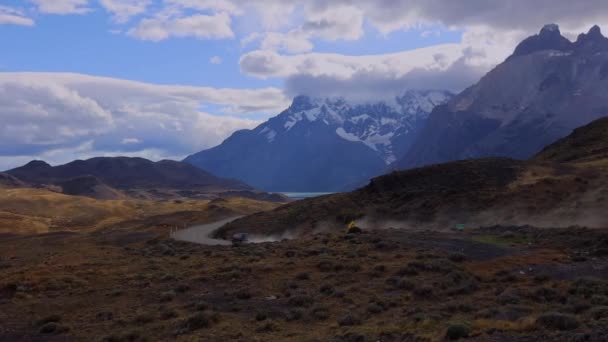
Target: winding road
{"type": "Point", "coordinates": [200, 234]}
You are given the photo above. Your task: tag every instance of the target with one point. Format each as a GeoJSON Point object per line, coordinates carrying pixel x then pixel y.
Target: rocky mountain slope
{"type": "Point", "coordinates": [548, 87]}
{"type": "Point", "coordinates": [115, 178]}
{"type": "Point", "coordinates": [480, 192]}
{"type": "Point", "coordinates": [322, 144]}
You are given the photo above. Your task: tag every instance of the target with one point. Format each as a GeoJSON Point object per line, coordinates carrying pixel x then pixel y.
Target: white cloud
{"type": "Point", "coordinates": [46, 112]}
{"type": "Point", "coordinates": [293, 41]}
{"type": "Point", "coordinates": [128, 141]}
{"type": "Point", "coordinates": [13, 16]}
{"type": "Point", "coordinates": [334, 22]}
{"type": "Point", "coordinates": [201, 26]}
{"type": "Point", "coordinates": [123, 10]}
{"type": "Point", "coordinates": [62, 6]}
{"type": "Point", "coordinates": [265, 64]}
{"type": "Point", "coordinates": [216, 60]}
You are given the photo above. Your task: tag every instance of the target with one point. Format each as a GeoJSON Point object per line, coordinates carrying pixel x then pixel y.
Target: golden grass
{"type": "Point", "coordinates": [27, 211]}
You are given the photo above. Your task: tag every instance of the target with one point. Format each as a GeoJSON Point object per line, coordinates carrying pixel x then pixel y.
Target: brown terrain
{"type": "Point", "coordinates": [120, 277]}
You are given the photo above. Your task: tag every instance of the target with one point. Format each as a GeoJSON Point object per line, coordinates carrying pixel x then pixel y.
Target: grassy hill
{"type": "Point", "coordinates": [28, 211]}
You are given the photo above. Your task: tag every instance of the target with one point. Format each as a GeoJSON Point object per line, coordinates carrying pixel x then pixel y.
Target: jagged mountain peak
{"type": "Point", "coordinates": [549, 38]}
{"type": "Point", "coordinates": [548, 87]}
{"type": "Point", "coordinates": [323, 144]}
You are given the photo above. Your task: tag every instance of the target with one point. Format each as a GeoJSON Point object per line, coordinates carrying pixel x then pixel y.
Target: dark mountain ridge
{"type": "Point", "coordinates": [126, 173]}
{"type": "Point", "coordinates": [123, 177]}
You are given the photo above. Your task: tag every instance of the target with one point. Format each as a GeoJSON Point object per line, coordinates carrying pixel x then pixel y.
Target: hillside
{"type": "Point", "coordinates": [322, 144]}
{"type": "Point", "coordinates": [38, 211]}
{"type": "Point", "coordinates": [547, 88]}
{"type": "Point", "coordinates": [115, 178]}
{"type": "Point", "coordinates": [126, 173]}
{"type": "Point", "coordinates": [8, 181]}
{"type": "Point", "coordinates": [480, 192]}
{"type": "Point", "coordinates": [585, 144]}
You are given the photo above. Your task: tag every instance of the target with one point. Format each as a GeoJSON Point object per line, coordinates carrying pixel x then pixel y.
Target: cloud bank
{"type": "Point", "coordinates": [66, 116]}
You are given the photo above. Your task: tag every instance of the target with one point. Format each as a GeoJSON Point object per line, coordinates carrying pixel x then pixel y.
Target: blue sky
{"type": "Point", "coordinates": [91, 44]}
{"type": "Point", "coordinates": [166, 78]}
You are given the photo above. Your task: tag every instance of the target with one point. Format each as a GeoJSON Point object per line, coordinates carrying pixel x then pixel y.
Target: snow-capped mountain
{"type": "Point", "coordinates": [322, 144]}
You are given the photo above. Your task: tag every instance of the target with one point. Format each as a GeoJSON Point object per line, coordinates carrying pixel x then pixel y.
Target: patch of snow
{"type": "Point", "coordinates": [388, 121]}
{"type": "Point", "coordinates": [271, 135]}
{"type": "Point", "coordinates": [346, 136]}
{"type": "Point", "coordinates": [358, 118]}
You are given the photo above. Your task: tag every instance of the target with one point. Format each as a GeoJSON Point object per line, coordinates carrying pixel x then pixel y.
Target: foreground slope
{"type": "Point", "coordinates": [586, 144]}
{"type": "Point", "coordinates": [322, 144]}
{"type": "Point", "coordinates": [548, 87]}
{"type": "Point", "coordinates": [477, 192]}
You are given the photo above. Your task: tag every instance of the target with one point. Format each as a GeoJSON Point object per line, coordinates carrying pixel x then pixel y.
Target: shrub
{"type": "Point", "coordinates": [302, 276]}
{"type": "Point", "coordinates": [243, 294]}
{"type": "Point", "coordinates": [167, 296]}
{"type": "Point", "coordinates": [457, 257]}
{"type": "Point", "coordinates": [300, 301]}
{"type": "Point", "coordinates": [557, 321]}
{"type": "Point", "coordinates": [599, 312]}
{"type": "Point", "coordinates": [374, 308]}
{"type": "Point", "coordinates": [197, 321]}
{"type": "Point", "coordinates": [320, 313]}
{"type": "Point", "coordinates": [294, 315]}
{"type": "Point", "coordinates": [48, 319]}
{"type": "Point", "coordinates": [349, 320]}
{"type": "Point", "coordinates": [144, 318]}
{"type": "Point", "coordinates": [423, 292]}
{"type": "Point", "coordinates": [261, 316]}
{"type": "Point", "coordinates": [457, 331]}
{"type": "Point", "coordinates": [53, 328]}
{"type": "Point", "coordinates": [327, 289]}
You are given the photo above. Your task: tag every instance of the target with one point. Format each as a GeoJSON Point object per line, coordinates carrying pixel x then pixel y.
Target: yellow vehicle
{"type": "Point", "coordinates": [352, 228]}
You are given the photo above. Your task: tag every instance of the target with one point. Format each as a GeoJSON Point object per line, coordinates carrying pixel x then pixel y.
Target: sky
{"type": "Point", "coordinates": [162, 79]}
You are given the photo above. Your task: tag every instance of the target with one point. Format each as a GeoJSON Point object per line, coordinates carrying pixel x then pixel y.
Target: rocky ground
{"type": "Point", "coordinates": [131, 282]}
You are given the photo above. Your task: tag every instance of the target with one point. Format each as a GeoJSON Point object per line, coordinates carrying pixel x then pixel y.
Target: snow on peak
{"type": "Point", "coordinates": [374, 124]}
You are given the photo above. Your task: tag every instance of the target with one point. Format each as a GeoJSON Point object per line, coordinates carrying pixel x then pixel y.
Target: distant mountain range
{"type": "Point", "coordinates": [564, 185]}
{"type": "Point", "coordinates": [322, 144]}
{"type": "Point", "coordinates": [547, 88]}
{"type": "Point", "coordinates": [111, 178]}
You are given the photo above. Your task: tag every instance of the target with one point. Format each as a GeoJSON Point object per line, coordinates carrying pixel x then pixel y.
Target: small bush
{"type": "Point", "coordinates": [167, 296]}
{"type": "Point", "coordinates": [457, 331]}
{"type": "Point", "coordinates": [302, 276]}
{"type": "Point", "coordinates": [53, 328]}
{"type": "Point", "coordinates": [557, 321]}
{"type": "Point", "coordinates": [300, 301]}
{"type": "Point", "coordinates": [457, 257]}
{"type": "Point", "coordinates": [48, 319]}
{"type": "Point", "coordinates": [349, 320]}
{"type": "Point", "coordinates": [197, 321]}
{"type": "Point", "coordinates": [374, 308]}
{"type": "Point", "coordinates": [144, 318]}
{"type": "Point", "coordinates": [327, 289]}
{"type": "Point", "coordinates": [261, 316]}
{"type": "Point", "coordinates": [294, 315]}
{"type": "Point", "coordinates": [320, 313]}
{"type": "Point", "coordinates": [243, 294]}
{"type": "Point", "coordinates": [423, 292]}
{"type": "Point", "coordinates": [599, 312]}
{"type": "Point", "coordinates": [325, 266]}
